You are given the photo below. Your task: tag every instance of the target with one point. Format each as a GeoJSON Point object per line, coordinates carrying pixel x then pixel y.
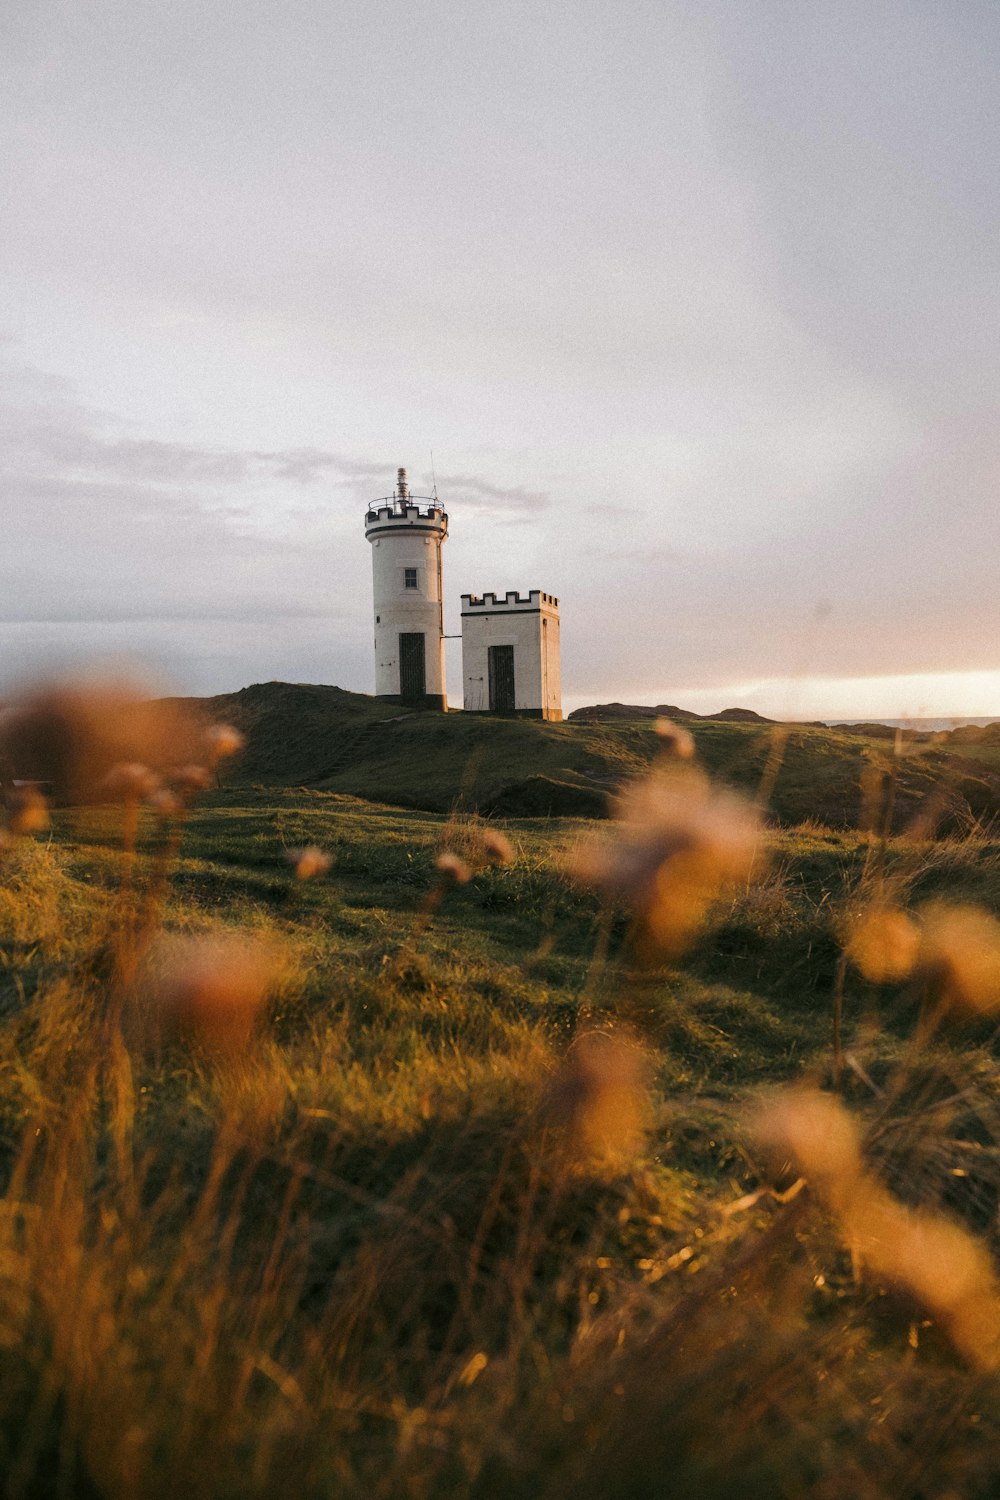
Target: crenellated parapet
{"type": "Point", "coordinates": [510, 641]}
{"type": "Point", "coordinates": [535, 600]}
{"type": "Point", "coordinates": [385, 515]}
{"type": "Point", "coordinates": [510, 654]}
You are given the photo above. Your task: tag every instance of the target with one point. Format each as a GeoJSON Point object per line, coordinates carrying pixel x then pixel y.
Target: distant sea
{"type": "Point", "coordinates": [929, 725]}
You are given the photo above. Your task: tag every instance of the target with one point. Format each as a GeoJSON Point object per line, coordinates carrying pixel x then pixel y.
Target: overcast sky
{"type": "Point", "coordinates": [695, 303]}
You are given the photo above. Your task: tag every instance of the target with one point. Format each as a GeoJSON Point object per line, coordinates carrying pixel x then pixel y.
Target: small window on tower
{"type": "Point", "coordinates": [410, 578]}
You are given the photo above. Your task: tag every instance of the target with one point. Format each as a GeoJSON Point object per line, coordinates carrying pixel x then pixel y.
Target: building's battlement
{"type": "Point", "coordinates": [534, 599]}
{"type": "Point", "coordinates": [390, 510]}
{"type": "Point", "coordinates": [510, 641]}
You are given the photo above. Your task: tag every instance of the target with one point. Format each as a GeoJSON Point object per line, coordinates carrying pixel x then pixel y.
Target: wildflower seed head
{"type": "Point", "coordinates": [883, 943]}
{"type": "Point", "coordinates": [959, 954]}
{"type": "Point", "coordinates": [497, 848]}
{"type": "Point", "coordinates": [600, 1094]}
{"type": "Point", "coordinates": [165, 803]}
{"type": "Point", "coordinates": [26, 811]}
{"type": "Point", "coordinates": [70, 735]}
{"type": "Point", "coordinates": [936, 1261]}
{"type": "Point", "coordinates": [452, 868]}
{"type": "Point", "coordinates": [939, 1263]}
{"type": "Point", "coordinates": [189, 780]}
{"type": "Point", "coordinates": [674, 741]}
{"type": "Point", "coordinates": [213, 988]}
{"type": "Point", "coordinates": [130, 781]}
{"type": "Point", "coordinates": [945, 1269]}
{"type": "Point", "coordinates": [675, 848]}
{"type": "Point", "coordinates": [477, 844]}
{"type": "Point", "coordinates": [223, 741]}
{"type": "Point", "coordinates": [309, 862]}
{"type": "Point", "coordinates": [815, 1133]}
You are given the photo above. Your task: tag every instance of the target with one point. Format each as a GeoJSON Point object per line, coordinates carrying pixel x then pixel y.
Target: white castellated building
{"type": "Point", "coordinates": [510, 644]}
{"type": "Point", "coordinates": [510, 654]}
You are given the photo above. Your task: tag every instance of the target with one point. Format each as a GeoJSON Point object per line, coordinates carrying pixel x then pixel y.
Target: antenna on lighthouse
{"type": "Point", "coordinates": [402, 489]}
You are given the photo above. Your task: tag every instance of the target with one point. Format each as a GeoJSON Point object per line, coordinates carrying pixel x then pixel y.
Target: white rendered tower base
{"type": "Point", "coordinates": [406, 533]}
{"type": "Point", "coordinates": [510, 655]}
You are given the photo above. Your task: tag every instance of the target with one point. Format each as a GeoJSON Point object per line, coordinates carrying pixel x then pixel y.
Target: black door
{"type": "Point", "coordinates": [412, 676]}
{"type": "Point", "coordinates": [501, 679]}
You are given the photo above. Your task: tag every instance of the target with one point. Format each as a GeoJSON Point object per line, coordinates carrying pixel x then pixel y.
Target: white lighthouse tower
{"type": "Point", "coordinates": [406, 532]}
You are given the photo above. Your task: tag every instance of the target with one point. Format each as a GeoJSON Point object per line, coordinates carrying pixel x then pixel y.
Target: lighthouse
{"type": "Point", "coordinates": [406, 533]}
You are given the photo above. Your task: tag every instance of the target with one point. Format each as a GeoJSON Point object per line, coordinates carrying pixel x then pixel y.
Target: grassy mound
{"type": "Point", "coordinates": [327, 738]}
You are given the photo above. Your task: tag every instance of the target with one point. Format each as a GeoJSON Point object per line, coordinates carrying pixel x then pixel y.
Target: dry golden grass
{"type": "Point", "coordinates": [282, 1216]}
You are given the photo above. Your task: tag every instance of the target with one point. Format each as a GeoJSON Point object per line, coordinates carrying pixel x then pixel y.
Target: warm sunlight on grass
{"type": "Point", "coordinates": [357, 1150]}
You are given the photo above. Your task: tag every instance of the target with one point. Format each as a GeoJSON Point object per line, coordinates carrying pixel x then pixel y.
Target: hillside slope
{"type": "Point", "coordinates": [600, 713]}
{"type": "Point", "coordinates": [325, 737]}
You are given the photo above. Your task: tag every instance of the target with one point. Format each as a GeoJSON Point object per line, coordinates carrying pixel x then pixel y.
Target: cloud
{"type": "Point", "coordinates": [307, 465]}
{"type": "Point", "coordinates": [113, 539]}
{"type": "Point", "coordinates": [101, 524]}
{"type": "Point", "coordinates": [704, 305]}
{"type": "Point", "coordinates": [469, 490]}
{"type": "Point", "coordinates": [104, 614]}
{"type": "Point", "coordinates": [44, 431]}
{"type": "Point", "coordinates": [66, 441]}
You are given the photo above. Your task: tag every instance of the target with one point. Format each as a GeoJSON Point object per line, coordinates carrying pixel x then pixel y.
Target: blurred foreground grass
{"type": "Point", "coordinates": [402, 1245]}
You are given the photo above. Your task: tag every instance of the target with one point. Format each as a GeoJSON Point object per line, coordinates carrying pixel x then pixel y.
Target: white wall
{"type": "Point", "coordinates": [531, 625]}
{"type": "Point", "coordinates": [550, 669]}
{"type": "Point", "coordinates": [398, 609]}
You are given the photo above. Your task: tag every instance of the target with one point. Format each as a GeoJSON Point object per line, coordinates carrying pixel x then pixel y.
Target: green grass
{"type": "Point", "coordinates": [369, 1256]}
{"type": "Point", "coordinates": [328, 739]}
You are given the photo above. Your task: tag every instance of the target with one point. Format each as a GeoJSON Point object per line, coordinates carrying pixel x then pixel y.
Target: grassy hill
{"type": "Point", "coordinates": [427, 1178]}
{"type": "Point", "coordinates": [476, 1210]}
{"type": "Point", "coordinates": [327, 738]}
